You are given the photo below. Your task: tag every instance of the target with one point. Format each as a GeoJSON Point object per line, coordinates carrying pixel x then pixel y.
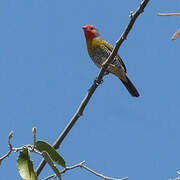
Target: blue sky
{"type": "Point", "coordinates": [45, 72]}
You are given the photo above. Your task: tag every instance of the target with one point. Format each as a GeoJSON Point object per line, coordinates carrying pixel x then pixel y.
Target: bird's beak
{"type": "Point", "coordinates": [84, 27]}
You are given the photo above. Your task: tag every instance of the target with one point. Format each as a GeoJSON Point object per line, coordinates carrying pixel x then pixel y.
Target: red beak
{"type": "Point", "coordinates": [84, 27]}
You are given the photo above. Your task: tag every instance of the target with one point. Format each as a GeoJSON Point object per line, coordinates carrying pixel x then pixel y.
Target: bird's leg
{"type": "Point", "coordinates": [98, 83]}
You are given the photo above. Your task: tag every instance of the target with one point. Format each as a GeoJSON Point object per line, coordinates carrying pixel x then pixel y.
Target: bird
{"type": "Point", "coordinates": [99, 50]}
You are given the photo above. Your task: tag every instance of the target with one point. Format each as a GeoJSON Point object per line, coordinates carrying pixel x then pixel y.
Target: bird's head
{"type": "Point", "coordinates": [90, 32]}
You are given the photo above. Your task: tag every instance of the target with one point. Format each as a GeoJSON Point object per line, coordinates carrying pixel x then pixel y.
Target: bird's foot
{"type": "Point", "coordinates": [97, 82]}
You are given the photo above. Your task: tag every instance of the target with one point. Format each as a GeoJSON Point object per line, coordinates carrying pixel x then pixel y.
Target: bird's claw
{"type": "Point", "coordinates": [97, 82]}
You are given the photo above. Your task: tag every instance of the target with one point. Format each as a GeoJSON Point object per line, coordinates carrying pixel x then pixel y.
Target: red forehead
{"type": "Point", "coordinates": [87, 26]}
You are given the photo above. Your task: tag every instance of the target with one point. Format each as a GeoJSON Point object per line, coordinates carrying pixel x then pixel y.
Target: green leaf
{"type": "Point", "coordinates": [55, 156]}
{"type": "Point", "coordinates": [25, 165]}
{"type": "Point", "coordinates": [50, 162]}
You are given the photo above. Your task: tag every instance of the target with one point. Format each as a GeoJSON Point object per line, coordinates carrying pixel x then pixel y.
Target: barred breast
{"type": "Point", "coordinates": [100, 55]}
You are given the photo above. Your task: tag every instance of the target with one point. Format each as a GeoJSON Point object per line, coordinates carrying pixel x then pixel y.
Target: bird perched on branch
{"type": "Point", "coordinates": [99, 50]}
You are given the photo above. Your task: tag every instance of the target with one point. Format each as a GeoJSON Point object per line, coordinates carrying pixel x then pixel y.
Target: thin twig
{"type": "Point", "coordinates": [10, 147]}
{"type": "Point", "coordinates": [49, 177]}
{"type": "Point", "coordinates": [65, 169]}
{"type": "Point", "coordinates": [81, 165]}
{"type": "Point", "coordinates": [18, 149]}
{"type": "Point", "coordinates": [72, 167]}
{"type": "Point", "coordinates": [96, 83]}
{"type": "Point", "coordinates": [168, 14]}
{"type": "Point", "coordinates": [34, 133]}
{"type": "Point", "coordinates": [176, 34]}
{"type": "Point", "coordinates": [5, 156]}
{"type": "Point", "coordinates": [101, 175]}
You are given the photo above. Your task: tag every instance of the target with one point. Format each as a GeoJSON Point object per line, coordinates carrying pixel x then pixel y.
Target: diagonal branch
{"type": "Point", "coordinates": [97, 82]}
{"type": "Point", "coordinates": [176, 34]}
{"type": "Point", "coordinates": [101, 175]}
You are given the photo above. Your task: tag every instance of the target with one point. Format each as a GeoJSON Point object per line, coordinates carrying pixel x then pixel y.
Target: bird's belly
{"type": "Point", "coordinates": [98, 60]}
{"type": "Point", "coordinates": [99, 57]}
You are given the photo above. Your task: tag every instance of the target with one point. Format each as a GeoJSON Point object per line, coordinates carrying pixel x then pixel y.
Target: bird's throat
{"type": "Point", "coordinates": [89, 35]}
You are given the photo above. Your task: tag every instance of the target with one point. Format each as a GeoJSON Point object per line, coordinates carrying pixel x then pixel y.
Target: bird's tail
{"type": "Point", "coordinates": [130, 87]}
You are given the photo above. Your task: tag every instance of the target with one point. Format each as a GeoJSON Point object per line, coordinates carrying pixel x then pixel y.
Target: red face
{"type": "Point", "coordinates": [89, 32]}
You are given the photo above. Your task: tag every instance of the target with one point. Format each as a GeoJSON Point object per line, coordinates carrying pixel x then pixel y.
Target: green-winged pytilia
{"type": "Point", "coordinates": [99, 50]}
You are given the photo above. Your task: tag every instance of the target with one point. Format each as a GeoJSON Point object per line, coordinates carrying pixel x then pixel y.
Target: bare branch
{"type": "Point", "coordinates": [81, 165]}
{"type": "Point", "coordinates": [168, 14]}
{"type": "Point", "coordinates": [72, 167]}
{"type": "Point", "coordinates": [101, 175]}
{"type": "Point", "coordinates": [34, 133]}
{"type": "Point", "coordinates": [5, 156]}
{"type": "Point", "coordinates": [49, 177]}
{"type": "Point", "coordinates": [10, 147]}
{"type": "Point", "coordinates": [96, 83]}
{"type": "Point", "coordinates": [177, 33]}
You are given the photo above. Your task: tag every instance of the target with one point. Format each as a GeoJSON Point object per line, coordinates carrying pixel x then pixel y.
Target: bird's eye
{"type": "Point", "coordinates": [91, 28]}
